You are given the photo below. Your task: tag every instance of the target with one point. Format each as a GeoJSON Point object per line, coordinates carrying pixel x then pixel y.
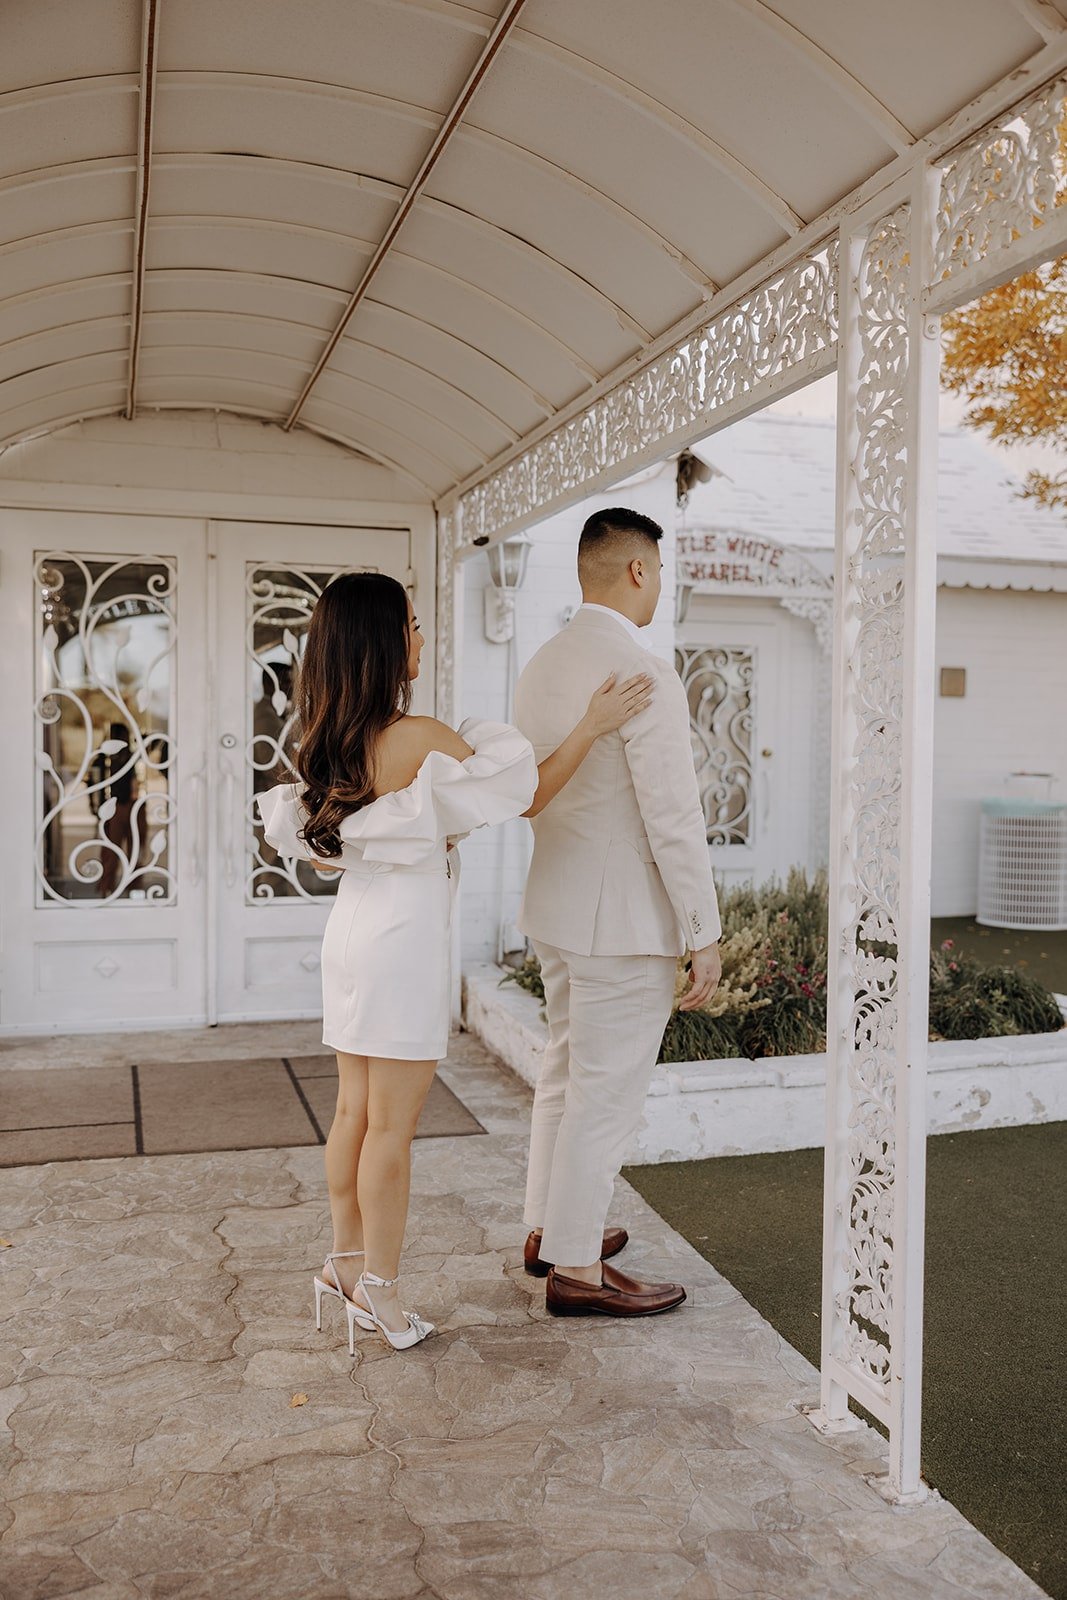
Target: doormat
{"type": "Point", "coordinates": [181, 1107]}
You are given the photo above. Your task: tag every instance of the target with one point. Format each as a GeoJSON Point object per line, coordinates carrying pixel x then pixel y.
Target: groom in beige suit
{"type": "Point", "coordinates": [620, 885]}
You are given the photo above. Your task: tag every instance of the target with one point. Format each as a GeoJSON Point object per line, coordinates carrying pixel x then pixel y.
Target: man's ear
{"type": "Point", "coordinates": [637, 571]}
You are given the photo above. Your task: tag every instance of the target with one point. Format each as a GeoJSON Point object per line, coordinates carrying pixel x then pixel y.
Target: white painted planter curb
{"type": "Point", "coordinates": [739, 1107]}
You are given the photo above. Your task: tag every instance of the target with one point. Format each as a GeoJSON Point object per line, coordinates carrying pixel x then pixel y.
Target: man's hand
{"type": "Point", "coordinates": [706, 967]}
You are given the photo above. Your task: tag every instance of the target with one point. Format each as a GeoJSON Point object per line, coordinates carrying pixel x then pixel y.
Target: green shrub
{"type": "Point", "coordinates": [528, 977]}
{"type": "Point", "coordinates": [970, 1001]}
{"type": "Point", "coordinates": [772, 997]}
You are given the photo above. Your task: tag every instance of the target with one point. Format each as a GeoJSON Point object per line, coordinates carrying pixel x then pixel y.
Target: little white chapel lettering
{"type": "Point", "coordinates": [715, 556]}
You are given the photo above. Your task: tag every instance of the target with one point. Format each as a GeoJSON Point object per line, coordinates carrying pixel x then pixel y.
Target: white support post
{"type": "Point", "coordinates": [877, 1026]}
{"type": "Point", "coordinates": [833, 1414]}
{"type": "Point", "coordinates": [917, 783]}
{"type": "Point", "coordinates": [447, 672]}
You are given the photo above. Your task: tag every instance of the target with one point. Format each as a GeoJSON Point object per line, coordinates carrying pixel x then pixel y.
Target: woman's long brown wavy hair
{"type": "Point", "coordinates": [353, 683]}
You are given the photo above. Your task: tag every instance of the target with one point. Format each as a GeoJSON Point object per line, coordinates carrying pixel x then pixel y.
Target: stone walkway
{"type": "Point", "coordinates": [177, 1427]}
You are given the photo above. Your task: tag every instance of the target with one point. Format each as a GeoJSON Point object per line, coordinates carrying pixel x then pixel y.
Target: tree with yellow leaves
{"type": "Point", "coordinates": [1006, 353]}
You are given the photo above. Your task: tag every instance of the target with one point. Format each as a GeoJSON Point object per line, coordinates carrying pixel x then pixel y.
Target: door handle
{"type": "Point", "coordinates": [229, 794]}
{"type": "Point", "coordinates": [765, 787]}
{"type": "Point", "coordinates": [196, 808]}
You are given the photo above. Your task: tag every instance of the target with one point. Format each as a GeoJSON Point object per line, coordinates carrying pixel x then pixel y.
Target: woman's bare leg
{"type": "Point", "coordinates": [343, 1147]}
{"type": "Point", "coordinates": [396, 1092]}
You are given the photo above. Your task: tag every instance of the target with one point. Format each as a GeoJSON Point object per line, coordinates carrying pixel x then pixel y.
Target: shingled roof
{"type": "Point", "coordinates": [773, 478]}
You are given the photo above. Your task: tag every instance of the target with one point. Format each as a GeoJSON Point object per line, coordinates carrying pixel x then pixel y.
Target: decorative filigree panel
{"type": "Point", "coordinates": [1000, 184]}
{"type": "Point", "coordinates": [104, 710]}
{"type": "Point", "coordinates": [719, 684]}
{"type": "Point", "coordinates": [788, 322]}
{"type": "Point", "coordinates": [873, 606]}
{"type": "Point", "coordinates": [279, 603]}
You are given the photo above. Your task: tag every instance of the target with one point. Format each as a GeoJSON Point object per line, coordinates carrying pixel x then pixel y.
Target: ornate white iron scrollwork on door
{"type": "Point", "coordinates": [279, 603]}
{"type": "Point", "coordinates": [719, 684]}
{"type": "Point", "coordinates": [104, 714]}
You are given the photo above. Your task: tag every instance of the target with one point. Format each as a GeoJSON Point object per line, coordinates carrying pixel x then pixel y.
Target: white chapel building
{"type": "Point", "coordinates": [747, 614]}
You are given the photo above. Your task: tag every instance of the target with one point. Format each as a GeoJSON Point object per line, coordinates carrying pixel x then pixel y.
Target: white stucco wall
{"type": "Point", "coordinates": [1014, 649]}
{"type": "Point", "coordinates": [500, 855]}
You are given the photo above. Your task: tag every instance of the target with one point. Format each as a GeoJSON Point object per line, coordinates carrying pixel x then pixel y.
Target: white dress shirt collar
{"type": "Point", "coordinates": [631, 627]}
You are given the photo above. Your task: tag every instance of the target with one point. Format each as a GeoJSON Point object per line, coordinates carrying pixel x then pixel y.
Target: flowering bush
{"type": "Point", "coordinates": [970, 1001]}
{"type": "Point", "coordinates": [772, 997]}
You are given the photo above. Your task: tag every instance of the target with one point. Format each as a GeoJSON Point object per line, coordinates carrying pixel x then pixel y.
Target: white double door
{"type": "Point", "coordinates": [148, 665]}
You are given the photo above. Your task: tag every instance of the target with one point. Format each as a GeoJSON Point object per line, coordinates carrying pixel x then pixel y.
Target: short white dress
{"type": "Point", "coordinates": [387, 949]}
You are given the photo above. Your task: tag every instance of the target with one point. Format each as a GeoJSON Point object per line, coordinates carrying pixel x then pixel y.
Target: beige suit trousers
{"type": "Point", "coordinates": [606, 1016]}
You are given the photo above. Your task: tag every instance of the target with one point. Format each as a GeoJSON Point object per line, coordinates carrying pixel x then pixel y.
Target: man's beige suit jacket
{"type": "Point", "coordinates": [620, 863]}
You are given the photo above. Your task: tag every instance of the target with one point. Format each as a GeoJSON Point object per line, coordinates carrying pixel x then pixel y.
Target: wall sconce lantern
{"type": "Point", "coordinates": [507, 571]}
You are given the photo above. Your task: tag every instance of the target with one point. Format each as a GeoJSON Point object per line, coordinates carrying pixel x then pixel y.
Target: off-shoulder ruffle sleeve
{"type": "Point", "coordinates": [283, 817]}
{"type": "Point", "coordinates": [448, 796]}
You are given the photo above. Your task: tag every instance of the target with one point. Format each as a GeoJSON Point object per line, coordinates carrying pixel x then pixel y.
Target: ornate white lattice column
{"type": "Point", "coordinates": [885, 594]}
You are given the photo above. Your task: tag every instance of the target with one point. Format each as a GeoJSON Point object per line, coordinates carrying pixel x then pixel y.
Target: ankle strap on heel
{"type": "Point", "coordinates": [329, 1270]}
{"type": "Point", "coordinates": [381, 1283]}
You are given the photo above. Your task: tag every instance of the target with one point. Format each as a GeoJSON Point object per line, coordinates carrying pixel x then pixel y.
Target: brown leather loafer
{"type": "Point", "coordinates": [618, 1296]}
{"type": "Point", "coordinates": [615, 1239]}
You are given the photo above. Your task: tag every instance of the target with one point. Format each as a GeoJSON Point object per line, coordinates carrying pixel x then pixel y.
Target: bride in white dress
{"type": "Point", "coordinates": [383, 797]}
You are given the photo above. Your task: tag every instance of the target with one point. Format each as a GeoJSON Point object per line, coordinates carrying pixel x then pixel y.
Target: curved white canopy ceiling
{"type": "Point", "coordinates": [617, 163]}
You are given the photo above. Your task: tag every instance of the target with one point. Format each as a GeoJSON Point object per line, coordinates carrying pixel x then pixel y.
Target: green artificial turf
{"type": "Point", "coordinates": [994, 1419]}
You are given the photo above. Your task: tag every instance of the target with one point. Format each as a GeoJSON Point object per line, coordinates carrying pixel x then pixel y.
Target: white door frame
{"type": "Point", "coordinates": [70, 967]}
{"type": "Point", "coordinates": [758, 858]}
{"type": "Point", "coordinates": [267, 960]}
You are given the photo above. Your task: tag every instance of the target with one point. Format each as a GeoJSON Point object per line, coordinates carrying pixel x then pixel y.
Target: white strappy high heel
{"type": "Point", "coordinates": [417, 1328]}
{"type": "Point", "coordinates": [355, 1313]}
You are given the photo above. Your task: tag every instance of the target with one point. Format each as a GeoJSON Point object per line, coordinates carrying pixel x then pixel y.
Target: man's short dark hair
{"type": "Point", "coordinates": [611, 539]}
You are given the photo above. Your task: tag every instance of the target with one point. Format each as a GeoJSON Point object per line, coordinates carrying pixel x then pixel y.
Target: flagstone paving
{"type": "Point", "coordinates": [177, 1427]}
